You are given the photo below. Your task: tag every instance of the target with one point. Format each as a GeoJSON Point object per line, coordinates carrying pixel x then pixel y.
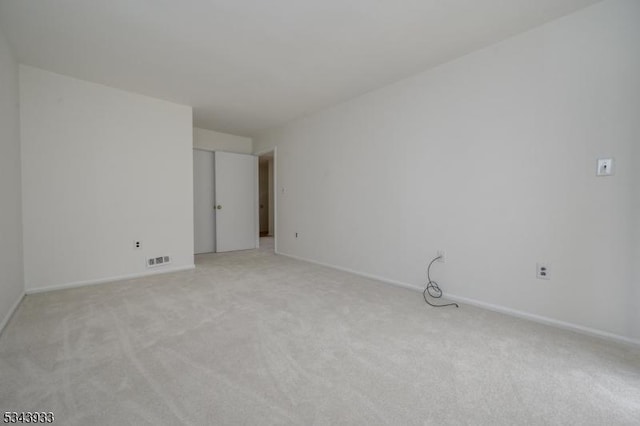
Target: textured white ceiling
{"type": "Point", "coordinates": [248, 65]}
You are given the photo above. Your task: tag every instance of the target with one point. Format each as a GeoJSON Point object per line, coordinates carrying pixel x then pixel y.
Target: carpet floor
{"type": "Point", "coordinates": [255, 338]}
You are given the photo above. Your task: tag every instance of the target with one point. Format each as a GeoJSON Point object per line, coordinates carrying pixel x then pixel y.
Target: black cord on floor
{"type": "Point", "coordinates": [433, 289]}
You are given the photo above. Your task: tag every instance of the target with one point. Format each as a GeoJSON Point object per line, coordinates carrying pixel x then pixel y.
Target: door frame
{"type": "Point", "coordinates": [275, 196]}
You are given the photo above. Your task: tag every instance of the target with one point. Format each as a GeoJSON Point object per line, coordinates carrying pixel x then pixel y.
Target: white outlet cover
{"type": "Point", "coordinates": [605, 167]}
{"type": "Point", "coordinates": [542, 271]}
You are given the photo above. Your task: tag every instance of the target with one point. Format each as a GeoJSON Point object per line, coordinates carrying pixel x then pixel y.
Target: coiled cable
{"type": "Point", "coordinates": [433, 289]}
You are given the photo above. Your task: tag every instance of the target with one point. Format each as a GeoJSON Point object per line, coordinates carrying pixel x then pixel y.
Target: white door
{"type": "Point", "coordinates": [203, 202]}
{"type": "Point", "coordinates": [236, 191]}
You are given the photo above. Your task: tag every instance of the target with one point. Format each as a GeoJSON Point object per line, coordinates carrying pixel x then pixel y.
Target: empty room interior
{"type": "Point", "coordinates": [320, 212]}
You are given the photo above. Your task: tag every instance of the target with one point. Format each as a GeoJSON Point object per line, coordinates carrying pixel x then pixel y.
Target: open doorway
{"type": "Point", "coordinates": [266, 200]}
{"type": "Point", "coordinates": [265, 205]}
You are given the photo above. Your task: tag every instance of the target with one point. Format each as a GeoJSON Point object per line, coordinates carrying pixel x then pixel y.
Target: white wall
{"type": "Point", "coordinates": [11, 279]}
{"type": "Point", "coordinates": [101, 168]}
{"type": "Point", "coordinates": [491, 157]}
{"type": "Point", "coordinates": [216, 141]}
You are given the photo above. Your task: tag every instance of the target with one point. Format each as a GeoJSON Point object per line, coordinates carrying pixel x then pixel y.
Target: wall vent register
{"type": "Point", "coordinates": [152, 262]}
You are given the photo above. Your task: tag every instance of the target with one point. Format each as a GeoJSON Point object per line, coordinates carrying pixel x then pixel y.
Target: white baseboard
{"type": "Point", "coordinates": [109, 279]}
{"type": "Point", "coordinates": [544, 320]}
{"type": "Point", "coordinates": [488, 306]}
{"type": "Point", "coordinates": [7, 317]}
{"type": "Point", "coordinates": [351, 271]}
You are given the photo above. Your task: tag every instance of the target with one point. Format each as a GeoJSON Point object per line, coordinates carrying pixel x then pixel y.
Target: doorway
{"type": "Point", "coordinates": [267, 199]}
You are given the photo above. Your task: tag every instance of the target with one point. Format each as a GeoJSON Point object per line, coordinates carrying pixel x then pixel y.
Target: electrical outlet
{"type": "Point", "coordinates": [442, 255]}
{"type": "Point", "coordinates": [542, 271]}
{"type": "Point", "coordinates": [137, 245]}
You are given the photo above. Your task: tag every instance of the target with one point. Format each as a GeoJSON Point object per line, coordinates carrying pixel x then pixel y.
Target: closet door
{"type": "Point", "coordinates": [236, 190]}
{"type": "Point", "coordinates": [203, 202]}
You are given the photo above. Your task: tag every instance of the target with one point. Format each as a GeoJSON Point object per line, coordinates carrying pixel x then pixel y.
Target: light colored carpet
{"type": "Point", "coordinates": [254, 338]}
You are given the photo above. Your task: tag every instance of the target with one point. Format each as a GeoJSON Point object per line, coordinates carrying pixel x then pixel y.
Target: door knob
{"type": "Point", "coordinates": [218, 206]}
